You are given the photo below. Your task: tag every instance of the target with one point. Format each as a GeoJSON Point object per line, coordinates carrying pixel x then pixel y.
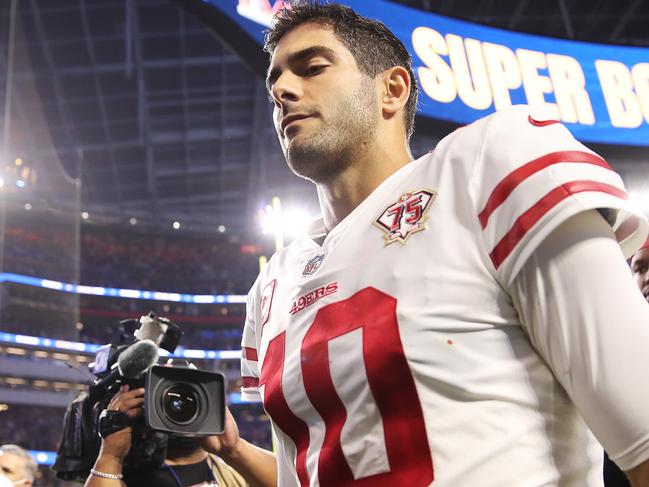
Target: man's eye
{"type": "Point", "coordinates": [314, 69]}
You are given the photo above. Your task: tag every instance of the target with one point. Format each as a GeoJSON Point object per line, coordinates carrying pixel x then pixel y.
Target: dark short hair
{"type": "Point", "coordinates": [374, 47]}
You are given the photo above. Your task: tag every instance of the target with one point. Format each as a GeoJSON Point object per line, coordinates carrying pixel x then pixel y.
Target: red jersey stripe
{"type": "Point", "coordinates": [249, 382]}
{"type": "Point", "coordinates": [507, 185]}
{"type": "Point", "coordinates": [275, 404]}
{"type": "Point", "coordinates": [249, 353]}
{"type": "Point", "coordinates": [528, 219]}
{"type": "Point", "coordinates": [541, 123]}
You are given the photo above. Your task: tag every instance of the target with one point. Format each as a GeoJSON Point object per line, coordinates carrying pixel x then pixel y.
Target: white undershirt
{"type": "Point", "coordinates": [587, 319]}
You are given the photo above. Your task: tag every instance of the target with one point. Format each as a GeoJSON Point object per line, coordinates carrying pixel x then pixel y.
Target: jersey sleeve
{"type": "Point", "coordinates": [249, 360]}
{"type": "Point", "coordinates": [587, 319]}
{"type": "Point", "coordinates": [529, 176]}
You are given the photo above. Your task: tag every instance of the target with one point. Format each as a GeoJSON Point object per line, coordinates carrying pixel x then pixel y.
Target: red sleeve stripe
{"type": "Point", "coordinates": [247, 382]}
{"type": "Point", "coordinates": [249, 353]}
{"type": "Point", "coordinates": [528, 219]}
{"type": "Point", "coordinates": [506, 186]}
{"type": "Point", "coordinates": [541, 123]}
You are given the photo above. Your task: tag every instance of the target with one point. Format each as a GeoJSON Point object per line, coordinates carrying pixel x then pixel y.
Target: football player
{"type": "Point", "coordinates": [471, 318]}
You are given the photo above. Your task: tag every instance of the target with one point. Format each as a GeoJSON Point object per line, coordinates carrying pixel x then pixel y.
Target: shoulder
{"type": "Point", "coordinates": [503, 125]}
{"type": "Point", "coordinates": [467, 144]}
{"type": "Point", "coordinates": [224, 473]}
{"type": "Point", "coordinates": [264, 288]}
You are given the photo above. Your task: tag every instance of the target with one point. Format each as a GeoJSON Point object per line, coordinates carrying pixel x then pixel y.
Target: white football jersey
{"type": "Point", "coordinates": [391, 355]}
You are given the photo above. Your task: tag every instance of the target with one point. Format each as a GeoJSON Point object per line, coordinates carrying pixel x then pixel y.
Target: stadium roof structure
{"type": "Point", "coordinates": [163, 122]}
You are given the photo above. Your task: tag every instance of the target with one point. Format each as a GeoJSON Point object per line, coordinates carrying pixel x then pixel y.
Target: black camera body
{"type": "Point", "coordinates": [185, 401]}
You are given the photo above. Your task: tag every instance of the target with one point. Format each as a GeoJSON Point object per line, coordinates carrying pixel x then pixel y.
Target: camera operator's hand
{"type": "Point", "coordinates": [257, 466]}
{"type": "Point", "coordinates": [225, 444]}
{"type": "Point", "coordinates": [114, 447]}
{"type": "Point", "coordinates": [130, 403]}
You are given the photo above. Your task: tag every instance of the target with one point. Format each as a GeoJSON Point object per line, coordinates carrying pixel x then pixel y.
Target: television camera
{"type": "Point", "coordinates": [179, 400]}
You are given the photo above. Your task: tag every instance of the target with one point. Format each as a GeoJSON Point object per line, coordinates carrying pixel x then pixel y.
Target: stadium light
{"type": "Point", "coordinates": [84, 215]}
{"type": "Point", "coordinates": [28, 206]}
{"type": "Point", "coordinates": [132, 220]}
{"type": "Point", "coordinates": [290, 223]}
{"type": "Point", "coordinates": [20, 183]}
{"type": "Point", "coordinates": [176, 225]}
{"type": "Point", "coordinates": [2, 182]}
{"type": "Point", "coordinates": [221, 228]}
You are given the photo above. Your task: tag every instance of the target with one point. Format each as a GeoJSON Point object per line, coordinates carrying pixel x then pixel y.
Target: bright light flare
{"type": "Point", "coordinates": [640, 199]}
{"type": "Point", "coordinates": [291, 223]}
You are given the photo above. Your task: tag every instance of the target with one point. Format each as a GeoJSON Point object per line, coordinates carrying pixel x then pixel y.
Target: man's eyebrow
{"type": "Point", "coordinates": [298, 56]}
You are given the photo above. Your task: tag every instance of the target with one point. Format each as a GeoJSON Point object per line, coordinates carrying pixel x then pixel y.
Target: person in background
{"type": "Point", "coordinates": [640, 269]}
{"type": "Point", "coordinates": [187, 463]}
{"type": "Point", "coordinates": [17, 466]}
{"type": "Point", "coordinates": [613, 476]}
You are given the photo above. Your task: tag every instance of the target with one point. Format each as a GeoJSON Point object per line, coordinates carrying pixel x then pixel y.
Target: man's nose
{"type": "Point", "coordinates": [287, 88]}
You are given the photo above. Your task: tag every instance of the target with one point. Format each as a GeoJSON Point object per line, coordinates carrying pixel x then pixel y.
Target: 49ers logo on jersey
{"type": "Point", "coordinates": [309, 298]}
{"type": "Point", "coordinates": [406, 216]}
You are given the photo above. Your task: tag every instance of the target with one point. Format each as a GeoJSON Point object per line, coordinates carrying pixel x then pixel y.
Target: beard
{"type": "Point", "coordinates": [349, 128]}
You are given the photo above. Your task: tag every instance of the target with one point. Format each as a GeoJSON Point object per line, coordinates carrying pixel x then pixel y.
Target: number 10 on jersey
{"type": "Point", "coordinates": [358, 379]}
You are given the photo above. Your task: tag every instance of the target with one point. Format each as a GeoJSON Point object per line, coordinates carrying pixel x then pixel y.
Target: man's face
{"type": "Point", "coordinates": [13, 467]}
{"type": "Point", "coordinates": [325, 108]}
{"type": "Point", "coordinates": [640, 269]}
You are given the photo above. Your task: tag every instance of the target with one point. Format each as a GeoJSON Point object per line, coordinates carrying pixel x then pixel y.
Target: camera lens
{"type": "Point", "coordinates": [180, 403]}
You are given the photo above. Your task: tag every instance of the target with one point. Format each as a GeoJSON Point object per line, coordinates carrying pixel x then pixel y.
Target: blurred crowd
{"type": "Point", "coordinates": [59, 248]}
{"type": "Point", "coordinates": [34, 427]}
{"type": "Point", "coordinates": [35, 311]}
{"type": "Point", "coordinates": [37, 249]}
{"type": "Point", "coordinates": [162, 263]}
{"type": "Point", "coordinates": [126, 257]}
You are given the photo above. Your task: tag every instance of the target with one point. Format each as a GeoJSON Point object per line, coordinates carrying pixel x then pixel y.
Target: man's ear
{"type": "Point", "coordinates": [395, 90]}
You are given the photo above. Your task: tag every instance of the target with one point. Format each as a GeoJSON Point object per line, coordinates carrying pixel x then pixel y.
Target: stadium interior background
{"type": "Point", "coordinates": [138, 155]}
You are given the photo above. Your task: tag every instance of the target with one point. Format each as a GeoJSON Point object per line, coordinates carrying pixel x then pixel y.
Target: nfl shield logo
{"type": "Point", "coordinates": [312, 265]}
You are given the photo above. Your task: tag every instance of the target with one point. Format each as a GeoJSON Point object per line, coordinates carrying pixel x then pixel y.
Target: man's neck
{"type": "Point", "coordinates": [184, 458]}
{"type": "Point", "coordinates": [339, 197]}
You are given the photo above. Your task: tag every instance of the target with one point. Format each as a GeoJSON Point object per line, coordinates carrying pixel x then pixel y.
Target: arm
{"type": "Point", "coordinates": [256, 465]}
{"type": "Point", "coordinates": [106, 463]}
{"type": "Point", "coordinates": [587, 319]}
{"type": "Point", "coordinates": [639, 476]}
{"type": "Point", "coordinates": [116, 446]}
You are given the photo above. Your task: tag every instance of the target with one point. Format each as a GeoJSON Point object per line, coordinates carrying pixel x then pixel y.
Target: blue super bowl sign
{"type": "Point", "coordinates": [466, 71]}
